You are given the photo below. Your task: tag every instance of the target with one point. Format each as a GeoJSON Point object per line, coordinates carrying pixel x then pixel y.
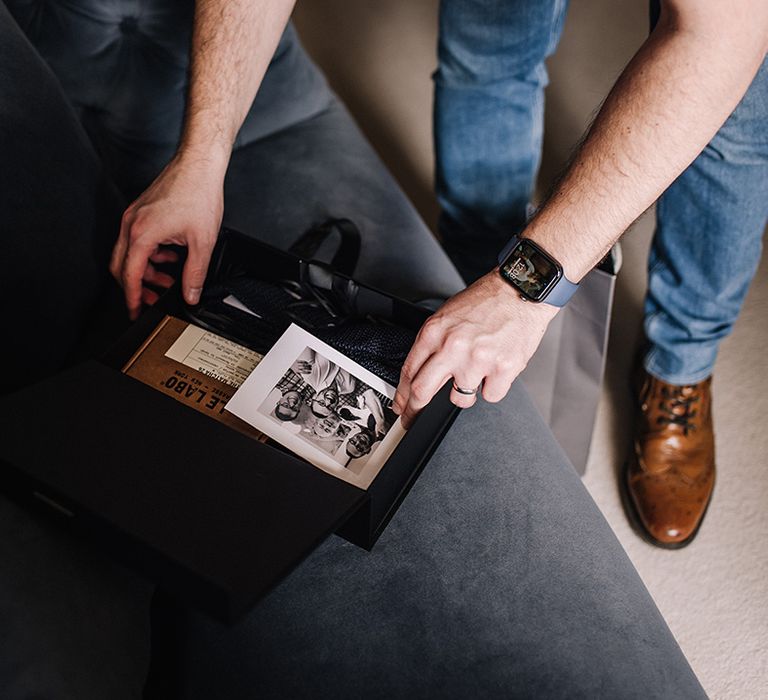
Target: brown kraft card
{"type": "Point", "coordinates": [196, 367]}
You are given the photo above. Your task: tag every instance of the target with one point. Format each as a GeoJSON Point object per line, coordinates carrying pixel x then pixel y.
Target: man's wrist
{"type": "Point", "coordinates": [576, 247]}
{"type": "Point", "coordinates": [510, 298]}
{"type": "Point", "coordinates": [213, 159]}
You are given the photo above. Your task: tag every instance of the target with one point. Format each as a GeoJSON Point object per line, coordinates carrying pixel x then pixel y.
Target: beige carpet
{"type": "Point", "coordinates": [714, 594]}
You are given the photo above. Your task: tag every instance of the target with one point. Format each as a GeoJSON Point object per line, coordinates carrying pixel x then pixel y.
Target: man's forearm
{"type": "Point", "coordinates": [232, 44]}
{"type": "Point", "coordinates": [669, 102]}
{"type": "Point", "coordinates": [667, 105]}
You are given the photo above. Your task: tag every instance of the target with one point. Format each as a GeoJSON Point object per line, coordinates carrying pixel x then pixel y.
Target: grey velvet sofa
{"type": "Point", "coordinates": [498, 577]}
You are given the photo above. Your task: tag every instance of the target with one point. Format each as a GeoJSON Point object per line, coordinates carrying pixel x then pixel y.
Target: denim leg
{"type": "Point", "coordinates": [131, 99]}
{"type": "Point", "coordinates": [707, 246]}
{"type": "Point", "coordinates": [497, 578]}
{"type": "Point", "coordinates": [488, 120]}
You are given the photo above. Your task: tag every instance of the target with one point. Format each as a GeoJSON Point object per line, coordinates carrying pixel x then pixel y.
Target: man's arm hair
{"type": "Point", "coordinates": [666, 106]}
{"type": "Point", "coordinates": [232, 44]}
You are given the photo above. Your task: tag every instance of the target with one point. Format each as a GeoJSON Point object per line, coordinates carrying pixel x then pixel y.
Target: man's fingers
{"type": "Point", "coordinates": [154, 276]}
{"type": "Point", "coordinates": [121, 246]}
{"type": "Point", "coordinates": [496, 386]}
{"type": "Point", "coordinates": [164, 255]}
{"type": "Point", "coordinates": [427, 341]}
{"type": "Point", "coordinates": [504, 371]}
{"type": "Point", "coordinates": [427, 382]}
{"type": "Point", "coordinates": [195, 270]}
{"type": "Point", "coordinates": [149, 296]}
{"type": "Point", "coordinates": [465, 395]}
{"type": "Point", "coordinates": [133, 271]}
{"type": "Point", "coordinates": [118, 256]}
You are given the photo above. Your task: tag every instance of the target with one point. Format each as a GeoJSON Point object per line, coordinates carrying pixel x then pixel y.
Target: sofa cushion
{"type": "Point", "coordinates": [123, 66]}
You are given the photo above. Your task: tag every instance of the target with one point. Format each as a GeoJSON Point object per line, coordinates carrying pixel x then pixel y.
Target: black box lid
{"type": "Point", "coordinates": [192, 500]}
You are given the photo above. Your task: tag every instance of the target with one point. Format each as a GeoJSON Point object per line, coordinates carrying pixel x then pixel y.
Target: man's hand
{"type": "Point", "coordinates": [485, 334]}
{"type": "Point", "coordinates": [232, 44]}
{"type": "Point", "coordinates": [183, 206]}
{"type": "Point", "coordinates": [669, 102]}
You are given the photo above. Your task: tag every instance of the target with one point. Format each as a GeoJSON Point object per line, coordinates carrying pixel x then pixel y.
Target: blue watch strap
{"type": "Point", "coordinates": [507, 249]}
{"type": "Point", "coordinates": [560, 294]}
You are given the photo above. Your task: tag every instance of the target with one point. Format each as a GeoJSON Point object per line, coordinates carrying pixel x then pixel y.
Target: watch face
{"type": "Point", "coordinates": [531, 271]}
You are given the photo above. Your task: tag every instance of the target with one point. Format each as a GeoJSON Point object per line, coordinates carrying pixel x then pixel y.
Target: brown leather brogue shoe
{"type": "Point", "coordinates": [670, 474]}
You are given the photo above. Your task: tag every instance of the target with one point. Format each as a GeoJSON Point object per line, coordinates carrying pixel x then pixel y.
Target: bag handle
{"type": "Point", "coordinates": [347, 254]}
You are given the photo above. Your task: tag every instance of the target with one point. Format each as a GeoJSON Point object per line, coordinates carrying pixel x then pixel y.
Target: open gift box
{"type": "Point", "coordinates": [206, 511]}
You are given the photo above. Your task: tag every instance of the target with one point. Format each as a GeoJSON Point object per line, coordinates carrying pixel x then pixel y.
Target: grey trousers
{"type": "Point", "coordinates": [498, 577]}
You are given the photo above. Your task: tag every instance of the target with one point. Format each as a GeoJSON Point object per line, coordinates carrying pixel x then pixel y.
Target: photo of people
{"type": "Point", "coordinates": [321, 405]}
{"type": "Point", "coordinates": [330, 408]}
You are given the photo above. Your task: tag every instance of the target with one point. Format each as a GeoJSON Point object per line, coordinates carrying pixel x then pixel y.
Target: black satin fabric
{"type": "Point", "coordinates": [373, 342]}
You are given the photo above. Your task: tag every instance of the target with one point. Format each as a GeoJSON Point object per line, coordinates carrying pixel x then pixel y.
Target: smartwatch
{"type": "Point", "coordinates": [534, 273]}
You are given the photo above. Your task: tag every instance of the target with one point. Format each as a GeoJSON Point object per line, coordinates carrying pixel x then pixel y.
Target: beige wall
{"type": "Point", "coordinates": [379, 55]}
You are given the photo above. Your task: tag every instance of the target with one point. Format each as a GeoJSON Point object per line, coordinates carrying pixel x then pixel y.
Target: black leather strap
{"type": "Point", "coordinates": [347, 254]}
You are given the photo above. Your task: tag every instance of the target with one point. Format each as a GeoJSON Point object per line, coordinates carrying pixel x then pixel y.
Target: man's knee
{"type": "Point", "coordinates": [483, 43]}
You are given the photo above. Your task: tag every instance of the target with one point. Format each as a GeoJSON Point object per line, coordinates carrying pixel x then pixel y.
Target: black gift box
{"type": "Point", "coordinates": [213, 516]}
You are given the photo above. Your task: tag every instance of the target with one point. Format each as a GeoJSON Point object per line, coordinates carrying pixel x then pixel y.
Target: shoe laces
{"type": "Point", "coordinates": [677, 406]}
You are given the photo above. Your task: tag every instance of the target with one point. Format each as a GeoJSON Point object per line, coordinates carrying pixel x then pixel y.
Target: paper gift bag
{"type": "Point", "coordinates": [565, 375]}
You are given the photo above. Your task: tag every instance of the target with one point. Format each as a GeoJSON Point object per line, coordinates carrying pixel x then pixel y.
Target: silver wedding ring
{"type": "Point", "coordinates": [466, 392]}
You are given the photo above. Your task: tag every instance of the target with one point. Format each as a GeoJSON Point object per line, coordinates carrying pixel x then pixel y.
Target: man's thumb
{"type": "Point", "coordinates": [193, 277]}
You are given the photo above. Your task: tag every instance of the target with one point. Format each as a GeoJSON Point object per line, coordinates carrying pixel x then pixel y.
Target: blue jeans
{"type": "Point", "coordinates": [489, 119]}
{"type": "Point", "coordinates": [707, 246]}
{"type": "Point", "coordinates": [489, 95]}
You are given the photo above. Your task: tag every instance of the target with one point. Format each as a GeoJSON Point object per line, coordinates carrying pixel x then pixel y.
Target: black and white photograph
{"type": "Point", "coordinates": [331, 409]}
{"type": "Point", "coordinates": [323, 406]}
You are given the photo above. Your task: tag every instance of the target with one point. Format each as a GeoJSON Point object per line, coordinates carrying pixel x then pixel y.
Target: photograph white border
{"type": "Point", "coordinates": [249, 397]}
